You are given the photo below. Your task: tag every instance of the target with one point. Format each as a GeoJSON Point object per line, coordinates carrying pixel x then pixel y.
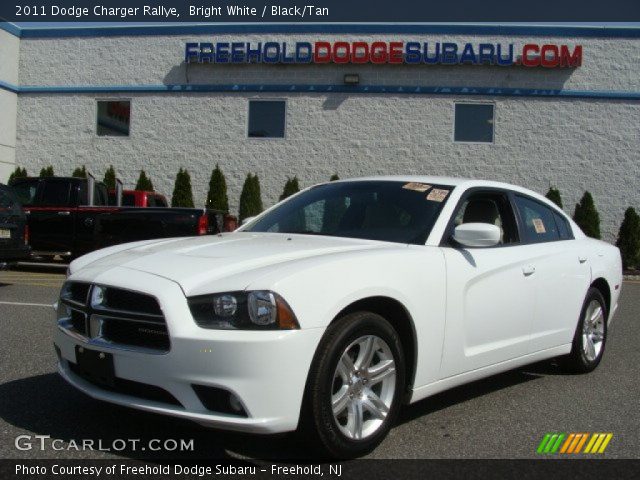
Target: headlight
{"type": "Point", "coordinates": [256, 310]}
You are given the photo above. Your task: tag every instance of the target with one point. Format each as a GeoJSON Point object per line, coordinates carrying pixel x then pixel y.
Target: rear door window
{"type": "Point", "coordinates": [564, 229]}
{"type": "Point", "coordinates": [538, 221]}
{"type": "Point", "coordinates": [55, 193]}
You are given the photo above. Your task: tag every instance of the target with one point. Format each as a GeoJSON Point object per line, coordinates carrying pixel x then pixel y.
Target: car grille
{"type": "Point", "coordinates": [123, 317]}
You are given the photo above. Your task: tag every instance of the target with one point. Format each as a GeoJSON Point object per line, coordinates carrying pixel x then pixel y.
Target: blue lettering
{"type": "Point", "coordinates": [449, 53]}
{"type": "Point", "coordinates": [486, 53]}
{"type": "Point", "coordinates": [206, 53]}
{"type": "Point", "coordinates": [191, 52]}
{"type": "Point", "coordinates": [436, 56]}
{"type": "Point", "coordinates": [412, 53]}
{"type": "Point", "coordinates": [255, 54]}
{"type": "Point", "coordinates": [222, 52]}
{"type": "Point", "coordinates": [237, 52]}
{"type": "Point", "coordinates": [271, 52]}
{"type": "Point", "coordinates": [468, 55]}
{"type": "Point", "coordinates": [508, 60]}
{"type": "Point", "coordinates": [285, 59]}
{"type": "Point", "coordinates": [304, 52]}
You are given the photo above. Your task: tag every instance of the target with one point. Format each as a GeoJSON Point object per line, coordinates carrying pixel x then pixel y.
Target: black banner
{"type": "Point", "coordinates": [356, 469]}
{"type": "Point", "coordinates": [291, 11]}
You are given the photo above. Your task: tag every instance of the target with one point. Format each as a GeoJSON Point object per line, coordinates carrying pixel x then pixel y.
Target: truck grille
{"type": "Point", "coordinates": [114, 315]}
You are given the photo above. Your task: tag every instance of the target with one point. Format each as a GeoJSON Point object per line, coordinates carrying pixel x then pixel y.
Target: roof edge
{"type": "Point", "coordinates": [609, 31]}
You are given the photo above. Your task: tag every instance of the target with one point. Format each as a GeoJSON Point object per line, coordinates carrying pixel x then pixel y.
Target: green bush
{"type": "Point", "coordinates": [334, 177]}
{"type": "Point", "coordinates": [144, 183]}
{"type": "Point", "coordinates": [250, 198]}
{"type": "Point", "coordinates": [587, 217]}
{"type": "Point", "coordinates": [629, 239]}
{"type": "Point", "coordinates": [182, 193]}
{"type": "Point", "coordinates": [554, 195]}
{"type": "Point", "coordinates": [292, 186]}
{"type": "Point", "coordinates": [217, 196]}
{"type": "Point", "coordinates": [80, 172]}
{"type": "Point", "coordinates": [110, 178]}
{"type": "Point", "coordinates": [47, 172]}
{"type": "Point", "coordinates": [18, 173]}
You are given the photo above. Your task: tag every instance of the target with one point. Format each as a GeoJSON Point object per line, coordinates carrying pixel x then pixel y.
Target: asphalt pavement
{"type": "Point", "coordinates": [504, 416]}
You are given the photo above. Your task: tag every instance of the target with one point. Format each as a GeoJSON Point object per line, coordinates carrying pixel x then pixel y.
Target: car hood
{"type": "Point", "coordinates": [195, 261]}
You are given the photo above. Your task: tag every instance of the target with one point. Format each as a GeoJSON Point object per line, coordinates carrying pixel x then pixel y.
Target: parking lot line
{"type": "Point", "coordinates": [24, 304]}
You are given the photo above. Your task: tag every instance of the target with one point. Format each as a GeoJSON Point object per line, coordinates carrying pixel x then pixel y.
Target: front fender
{"type": "Point", "coordinates": [319, 289]}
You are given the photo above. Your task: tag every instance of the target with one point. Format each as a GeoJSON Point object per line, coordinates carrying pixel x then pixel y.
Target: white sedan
{"type": "Point", "coordinates": [332, 309]}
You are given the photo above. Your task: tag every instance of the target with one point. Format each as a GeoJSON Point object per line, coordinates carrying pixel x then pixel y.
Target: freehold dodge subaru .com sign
{"type": "Point", "coordinates": [381, 52]}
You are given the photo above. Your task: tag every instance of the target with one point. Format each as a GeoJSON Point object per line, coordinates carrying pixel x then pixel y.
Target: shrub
{"type": "Point", "coordinates": [80, 172]}
{"type": "Point", "coordinates": [250, 198]}
{"type": "Point", "coordinates": [144, 182]}
{"type": "Point", "coordinates": [629, 239]}
{"type": "Point", "coordinates": [47, 172]}
{"type": "Point", "coordinates": [587, 217]}
{"type": "Point", "coordinates": [334, 177]}
{"type": "Point", "coordinates": [182, 193]}
{"type": "Point", "coordinates": [110, 178]}
{"type": "Point", "coordinates": [18, 173]}
{"type": "Point", "coordinates": [554, 195]}
{"type": "Point", "coordinates": [217, 196]}
{"type": "Point", "coordinates": [292, 186]}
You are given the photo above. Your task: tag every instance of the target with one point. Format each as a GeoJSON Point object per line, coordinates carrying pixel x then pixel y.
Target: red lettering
{"type": "Point", "coordinates": [357, 58]}
{"type": "Point", "coordinates": [318, 55]}
{"type": "Point", "coordinates": [570, 60]}
{"type": "Point", "coordinates": [379, 52]}
{"type": "Point", "coordinates": [547, 60]}
{"type": "Point", "coordinates": [530, 61]}
{"type": "Point", "coordinates": [395, 52]}
{"type": "Point", "coordinates": [341, 52]}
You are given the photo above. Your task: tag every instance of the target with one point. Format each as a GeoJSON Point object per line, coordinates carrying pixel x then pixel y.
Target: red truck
{"type": "Point", "coordinates": [138, 198]}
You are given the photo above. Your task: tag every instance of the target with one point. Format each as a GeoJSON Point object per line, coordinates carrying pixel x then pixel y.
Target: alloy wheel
{"type": "Point", "coordinates": [363, 387]}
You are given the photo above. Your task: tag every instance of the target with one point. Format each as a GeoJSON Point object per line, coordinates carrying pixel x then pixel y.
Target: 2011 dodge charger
{"type": "Point", "coordinates": [335, 307]}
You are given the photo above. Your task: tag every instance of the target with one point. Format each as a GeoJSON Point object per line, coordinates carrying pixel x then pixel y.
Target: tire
{"type": "Point", "coordinates": [338, 377]}
{"type": "Point", "coordinates": [590, 337]}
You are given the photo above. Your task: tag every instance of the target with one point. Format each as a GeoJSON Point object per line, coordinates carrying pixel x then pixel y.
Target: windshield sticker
{"type": "Point", "coordinates": [538, 224]}
{"type": "Point", "coordinates": [437, 195]}
{"type": "Point", "coordinates": [417, 187]}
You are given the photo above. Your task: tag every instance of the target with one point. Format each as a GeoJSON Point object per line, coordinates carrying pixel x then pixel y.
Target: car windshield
{"type": "Point", "coordinates": [390, 211]}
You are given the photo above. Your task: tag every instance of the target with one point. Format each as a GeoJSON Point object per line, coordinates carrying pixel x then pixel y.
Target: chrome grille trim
{"type": "Point", "coordinates": [140, 331]}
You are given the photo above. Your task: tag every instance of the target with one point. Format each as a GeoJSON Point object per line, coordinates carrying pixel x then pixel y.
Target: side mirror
{"type": "Point", "coordinates": [477, 234]}
{"type": "Point", "coordinates": [247, 220]}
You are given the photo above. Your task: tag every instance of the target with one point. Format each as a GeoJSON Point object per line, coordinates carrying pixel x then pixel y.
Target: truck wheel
{"type": "Point", "coordinates": [355, 385]}
{"type": "Point", "coordinates": [590, 337]}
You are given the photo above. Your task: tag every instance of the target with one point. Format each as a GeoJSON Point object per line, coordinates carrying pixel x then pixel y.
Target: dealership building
{"type": "Point", "coordinates": [537, 106]}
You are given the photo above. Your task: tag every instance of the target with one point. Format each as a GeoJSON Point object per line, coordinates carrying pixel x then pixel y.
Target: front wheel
{"type": "Point", "coordinates": [590, 337]}
{"type": "Point", "coordinates": [355, 385]}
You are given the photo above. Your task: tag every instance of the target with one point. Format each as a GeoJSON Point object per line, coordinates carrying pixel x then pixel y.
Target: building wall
{"type": "Point", "coordinates": [9, 57]}
{"type": "Point", "coordinates": [574, 144]}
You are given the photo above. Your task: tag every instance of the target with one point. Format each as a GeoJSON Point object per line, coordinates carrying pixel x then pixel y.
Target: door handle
{"type": "Point", "coordinates": [64, 213]}
{"type": "Point", "coordinates": [582, 258]}
{"type": "Point", "coordinates": [528, 270]}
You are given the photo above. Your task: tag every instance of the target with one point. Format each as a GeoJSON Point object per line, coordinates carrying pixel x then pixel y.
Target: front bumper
{"type": "Point", "coordinates": [265, 370]}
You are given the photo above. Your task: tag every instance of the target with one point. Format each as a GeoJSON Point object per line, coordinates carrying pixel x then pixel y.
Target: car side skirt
{"type": "Point", "coordinates": [467, 377]}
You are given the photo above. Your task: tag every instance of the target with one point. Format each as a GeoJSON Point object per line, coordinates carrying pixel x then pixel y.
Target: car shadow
{"type": "Point", "coordinates": [478, 388]}
{"type": "Point", "coordinates": [47, 405]}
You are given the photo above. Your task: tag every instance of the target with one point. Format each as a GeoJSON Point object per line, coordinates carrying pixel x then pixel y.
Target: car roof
{"type": "Point", "coordinates": [452, 182]}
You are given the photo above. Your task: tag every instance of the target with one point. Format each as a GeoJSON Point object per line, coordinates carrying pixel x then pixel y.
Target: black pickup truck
{"type": "Point", "coordinates": [14, 233]}
{"type": "Point", "coordinates": [68, 217]}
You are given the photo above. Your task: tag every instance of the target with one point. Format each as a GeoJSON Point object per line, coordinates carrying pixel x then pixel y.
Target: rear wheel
{"type": "Point", "coordinates": [591, 335]}
{"type": "Point", "coordinates": [355, 385]}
